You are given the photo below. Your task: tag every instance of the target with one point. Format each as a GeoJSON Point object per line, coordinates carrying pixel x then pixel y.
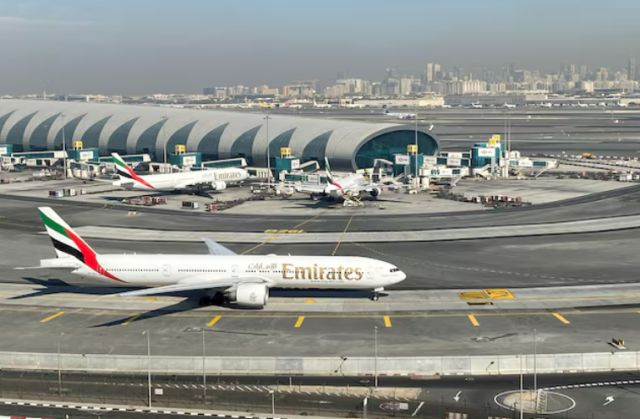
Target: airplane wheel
{"type": "Point", "coordinates": [217, 299]}
{"type": "Point", "coordinates": [375, 297]}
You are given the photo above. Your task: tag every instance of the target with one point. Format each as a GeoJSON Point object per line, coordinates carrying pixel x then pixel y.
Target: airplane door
{"type": "Point", "coordinates": [370, 273]}
{"type": "Point", "coordinates": [235, 272]}
{"type": "Point", "coordinates": [166, 270]}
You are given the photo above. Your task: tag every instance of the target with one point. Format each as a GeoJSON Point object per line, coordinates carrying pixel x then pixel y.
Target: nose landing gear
{"type": "Point", "coordinates": [376, 294]}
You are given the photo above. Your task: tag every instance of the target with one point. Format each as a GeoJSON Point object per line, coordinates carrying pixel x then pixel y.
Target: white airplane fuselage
{"type": "Point", "coordinates": [216, 178]}
{"type": "Point", "coordinates": [335, 272]}
{"type": "Point", "coordinates": [344, 186]}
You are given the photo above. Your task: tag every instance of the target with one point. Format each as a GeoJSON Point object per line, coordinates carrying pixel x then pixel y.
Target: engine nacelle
{"type": "Point", "coordinates": [249, 295]}
{"type": "Point", "coordinates": [218, 186]}
{"type": "Point", "coordinates": [376, 192]}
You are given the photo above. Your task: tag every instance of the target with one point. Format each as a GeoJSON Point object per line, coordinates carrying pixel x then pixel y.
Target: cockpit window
{"type": "Point", "coordinates": [394, 270]}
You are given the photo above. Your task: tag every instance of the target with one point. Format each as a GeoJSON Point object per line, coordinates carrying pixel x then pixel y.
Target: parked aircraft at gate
{"type": "Point", "coordinates": [214, 179]}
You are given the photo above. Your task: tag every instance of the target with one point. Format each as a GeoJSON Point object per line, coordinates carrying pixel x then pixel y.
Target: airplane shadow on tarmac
{"type": "Point", "coordinates": [190, 301]}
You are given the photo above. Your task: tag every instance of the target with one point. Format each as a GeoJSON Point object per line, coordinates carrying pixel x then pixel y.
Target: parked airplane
{"type": "Point", "coordinates": [622, 105]}
{"type": "Point", "coordinates": [214, 179]}
{"type": "Point", "coordinates": [582, 105]}
{"type": "Point", "coordinates": [348, 188]}
{"type": "Point", "coordinates": [509, 106]}
{"type": "Point", "coordinates": [399, 115]}
{"type": "Point", "coordinates": [476, 106]}
{"type": "Point", "coordinates": [546, 105]}
{"type": "Point", "coordinates": [322, 105]}
{"type": "Point", "coordinates": [223, 275]}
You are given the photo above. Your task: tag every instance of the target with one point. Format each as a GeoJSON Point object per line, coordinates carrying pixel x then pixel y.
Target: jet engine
{"type": "Point", "coordinates": [218, 186]}
{"type": "Point", "coordinates": [375, 192]}
{"type": "Point", "coordinates": [249, 295]}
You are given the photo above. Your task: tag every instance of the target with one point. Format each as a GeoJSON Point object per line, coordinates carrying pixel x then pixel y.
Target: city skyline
{"type": "Point", "coordinates": [160, 46]}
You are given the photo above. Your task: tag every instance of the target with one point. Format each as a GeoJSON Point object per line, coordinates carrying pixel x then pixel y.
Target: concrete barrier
{"type": "Point", "coordinates": [458, 365]}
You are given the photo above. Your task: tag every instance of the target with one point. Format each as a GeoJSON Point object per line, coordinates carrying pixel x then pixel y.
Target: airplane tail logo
{"type": "Point", "coordinates": [125, 172]}
{"type": "Point", "coordinates": [68, 244]}
{"type": "Point", "coordinates": [327, 169]}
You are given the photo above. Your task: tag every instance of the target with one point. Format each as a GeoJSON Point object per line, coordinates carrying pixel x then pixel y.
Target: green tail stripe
{"type": "Point", "coordinates": [53, 225]}
{"type": "Point", "coordinates": [119, 162]}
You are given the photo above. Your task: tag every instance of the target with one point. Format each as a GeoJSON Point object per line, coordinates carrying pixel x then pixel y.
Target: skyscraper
{"type": "Point", "coordinates": [631, 69]}
{"type": "Point", "coordinates": [429, 74]}
{"type": "Point", "coordinates": [583, 71]}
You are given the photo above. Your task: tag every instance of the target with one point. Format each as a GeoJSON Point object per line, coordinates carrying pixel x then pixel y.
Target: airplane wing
{"type": "Point", "coordinates": [315, 189]}
{"type": "Point", "coordinates": [192, 284]}
{"type": "Point", "coordinates": [368, 187]}
{"type": "Point", "coordinates": [217, 249]}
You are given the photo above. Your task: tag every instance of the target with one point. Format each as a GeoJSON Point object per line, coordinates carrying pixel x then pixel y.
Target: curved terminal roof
{"type": "Point", "coordinates": [131, 129]}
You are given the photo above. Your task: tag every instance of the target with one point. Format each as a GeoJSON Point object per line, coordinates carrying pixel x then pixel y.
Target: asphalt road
{"type": "Point", "coordinates": [596, 258]}
{"type": "Point", "coordinates": [22, 215]}
{"type": "Point", "coordinates": [435, 398]}
{"type": "Point", "coordinates": [177, 330]}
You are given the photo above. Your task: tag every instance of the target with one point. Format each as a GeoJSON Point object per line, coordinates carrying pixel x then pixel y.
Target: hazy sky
{"type": "Point", "coordinates": [153, 46]}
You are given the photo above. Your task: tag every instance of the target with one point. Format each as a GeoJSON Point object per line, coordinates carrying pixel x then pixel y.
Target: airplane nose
{"type": "Point", "coordinates": [401, 276]}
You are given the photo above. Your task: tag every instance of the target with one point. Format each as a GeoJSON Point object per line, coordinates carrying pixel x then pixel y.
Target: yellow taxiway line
{"type": "Point", "coordinates": [473, 319]}
{"type": "Point", "coordinates": [562, 319]}
{"type": "Point", "coordinates": [58, 314]}
{"type": "Point", "coordinates": [214, 321]}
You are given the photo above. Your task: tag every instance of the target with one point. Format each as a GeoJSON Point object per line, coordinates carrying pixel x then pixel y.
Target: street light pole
{"type": "Point", "coordinates": [148, 363]}
{"type": "Point", "coordinates": [273, 403]}
{"type": "Point", "coordinates": [535, 362]}
{"type": "Point", "coordinates": [164, 139]}
{"type": "Point", "coordinates": [267, 118]}
{"type": "Point", "coordinates": [416, 150]}
{"type": "Point", "coordinates": [375, 365]}
{"type": "Point", "coordinates": [204, 367]}
{"type": "Point", "coordinates": [59, 367]}
{"type": "Point", "coordinates": [521, 390]}
{"type": "Point", "coordinates": [64, 146]}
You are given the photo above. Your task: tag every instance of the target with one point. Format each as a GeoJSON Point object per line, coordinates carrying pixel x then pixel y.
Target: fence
{"type": "Point", "coordinates": [467, 365]}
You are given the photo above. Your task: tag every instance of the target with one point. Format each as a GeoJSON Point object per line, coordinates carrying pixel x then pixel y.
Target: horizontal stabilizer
{"type": "Point", "coordinates": [62, 262]}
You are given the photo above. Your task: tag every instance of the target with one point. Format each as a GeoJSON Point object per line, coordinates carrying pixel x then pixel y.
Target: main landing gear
{"type": "Point", "coordinates": [376, 294]}
{"type": "Point", "coordinates": [213, 299]}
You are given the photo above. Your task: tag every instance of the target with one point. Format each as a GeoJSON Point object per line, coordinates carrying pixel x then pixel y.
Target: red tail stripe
{"type": "Point", "coordinates": [90, 257]}
{"type": "Point", "coordinates": [138, 178]}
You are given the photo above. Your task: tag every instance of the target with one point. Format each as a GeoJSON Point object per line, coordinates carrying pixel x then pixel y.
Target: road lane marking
{"type": "Point", "coordinates": [498, 294]}
{"type": "Point", "coordinates": [472, 295]}
{"type": "Point", "coordinates": [130, 319]}
{"type": "Point", "coordinates": [58, 314]}
{"type": "Point", "coordinates": [299, 322]}
{"type": "Point", "coordinates": [270, 239]}
{"type": "Point", "coordinates": [342, 236]}
{"type": "Point", "coordinates": [214, 321]}
{"type": "Point", "coordinates": [473, 320]}
{"type": "Point", "coordinates": [559, 317]}
{"type": "Point", "coordinates": [387, 321]}
{"type": "Point", "coordinates": [310, 219]}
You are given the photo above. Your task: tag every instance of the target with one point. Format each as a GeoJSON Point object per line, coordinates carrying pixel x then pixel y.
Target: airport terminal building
{"type": "Point", "coordinates": [130, 129]}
